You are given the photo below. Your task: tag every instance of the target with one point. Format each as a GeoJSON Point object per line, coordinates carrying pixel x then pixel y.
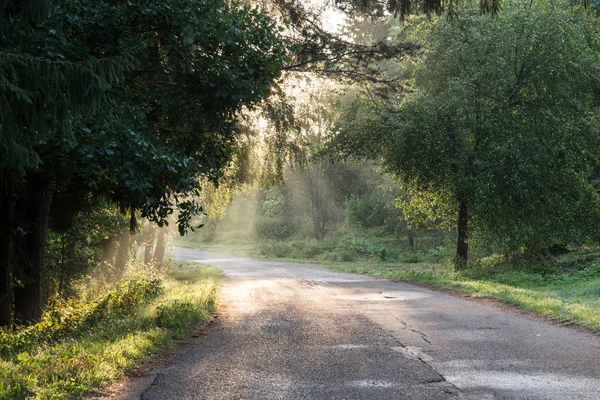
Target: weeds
{"type": "Point", "coordinates": [84, 344]}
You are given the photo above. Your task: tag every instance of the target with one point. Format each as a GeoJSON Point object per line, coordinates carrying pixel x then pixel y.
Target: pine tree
{"type": "Point", "coordinates": [138, 113]}
{"type": "Point", "coordinates": [45, 85]}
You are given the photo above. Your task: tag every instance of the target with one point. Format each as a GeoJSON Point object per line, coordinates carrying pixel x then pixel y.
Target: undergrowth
{"type": "Point", "coordinates": [355, 247]}
{"type": "Point", "coordinates": [86, 343]}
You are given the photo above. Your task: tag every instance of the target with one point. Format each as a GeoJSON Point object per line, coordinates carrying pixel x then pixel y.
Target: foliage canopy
{"type": "Point", "coordinates": [502, 118]}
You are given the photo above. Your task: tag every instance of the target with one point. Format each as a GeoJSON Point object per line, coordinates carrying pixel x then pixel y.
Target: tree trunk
{"type": "Point", "coordinates": [149, 244]}
{"type": "Point", "coordinates": [159, 252]}
{"type": "Point", "coordinates": [411, 239]}
{"type": "Point", "coordinates": [6, 205]}
{"type": "Point", "coordinates": [122, 254]}
{"type": "Point", "coordinates": [108, 250]}
{"type": "Point", "coordinates": [314, 204]}
{"type": "Point", "coordinates": [462, 244]}
{"type": "Point", "coordinates": [317, 213]}
{"type": "Point", "coordinates": [29, 298]}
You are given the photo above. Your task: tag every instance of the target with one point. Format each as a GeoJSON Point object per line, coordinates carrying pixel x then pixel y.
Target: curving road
{"type": "Point", "coordinates": [296, 331]}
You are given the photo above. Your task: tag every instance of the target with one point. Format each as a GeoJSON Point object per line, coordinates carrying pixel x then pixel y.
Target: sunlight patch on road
{"type": "Point", "coordinates": [330, 279]}
{"type": "Point", "coordinates": [400, 295]}
{"type": "Point", "coordinates": [529, 384]}
{"type": "Point", "coordinates": [351, 346]}
{"type": "Point", "coordinates": [369, 383]}
{"type": "Point", "coordinates": [414, 353]}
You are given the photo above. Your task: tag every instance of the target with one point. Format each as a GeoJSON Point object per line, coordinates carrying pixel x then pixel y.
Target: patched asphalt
{"type": "Point", "coordinates": [296, 331]}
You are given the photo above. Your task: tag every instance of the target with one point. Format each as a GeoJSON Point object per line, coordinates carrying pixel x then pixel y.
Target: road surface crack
{"type": "Point", "coordinates": [409, 328]}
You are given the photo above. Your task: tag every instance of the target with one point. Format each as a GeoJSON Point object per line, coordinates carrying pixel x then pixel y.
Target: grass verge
{"type": "Point", "coordinates": [569, 296]}
{"type": "Point", "coordinates": [566, 289]}
{"type": "Point", "coordinates": [83, 345]}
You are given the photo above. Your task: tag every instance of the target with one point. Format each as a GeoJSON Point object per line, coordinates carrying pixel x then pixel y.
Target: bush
{"type": "Point", "coordinates": [307, 250]}
{"type": "Point", "coordinates": [372, 247]}
{"type": "Point", "coordinates": [273, 228]}
{"type": "Point", "coordinates": [347, 256]}
{"type": "Point", "coordinates": [412, 257]}
{"type": "Point", "coordinates": [128, 296]}
{"type": "Point", "coordinates": [366, 211]}
{"type": "Point", "coordinates": [75, 318]}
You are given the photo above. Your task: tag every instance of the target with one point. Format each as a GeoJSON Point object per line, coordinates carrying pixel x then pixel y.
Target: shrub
{"type": "Point", "coordinates": [80, 345]}
{"type": "Point", "coordinates": [366, 211]}
{"type": "Point", "coordinates": [273, 228]}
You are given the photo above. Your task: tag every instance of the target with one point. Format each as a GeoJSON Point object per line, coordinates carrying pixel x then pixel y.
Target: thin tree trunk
{"type": "Point", "coordinates": [159, 252]}
{"type": "Point", "coordinates": [6, 205]}
{"type": "Point", "coordinates": [314, 204]}
{"type": "Point", "coordinates": [29, 298]}
{"type": "Point", "coordinates": [317, 213]}
{"type": "Point", "coordinates": [149, 244]}
{"type": "Point", "coordinates": [462, 244]}
{"type": "Point", "coordinates": [122, 254]}
{"type": "Point", "coordinates": [411, 239]}
{"type": "Point", "coordinates": [63, 270]}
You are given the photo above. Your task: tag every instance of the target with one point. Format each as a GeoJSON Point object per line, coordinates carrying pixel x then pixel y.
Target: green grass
{"type": "Point", "coordinates": [571, 296]}
{"type": "Point", "coordinates": [351, 247]}
{"type": "Point", "coordinates": [85, 345]}
{"type": "Point", "coordinates": [566, 289]}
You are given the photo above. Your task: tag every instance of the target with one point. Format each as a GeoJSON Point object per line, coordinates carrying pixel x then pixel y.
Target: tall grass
{"type": "Point", "coordinates": [84, 344]}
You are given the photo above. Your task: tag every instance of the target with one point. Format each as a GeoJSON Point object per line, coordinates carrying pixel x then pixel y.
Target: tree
{"type": "Point", "coordinates": [501, 125]}
{"type": "Point", "coordinates": [74, 251]}
{"type": "Point", "coordinates": [314, 119]}
{"type": "Point", "coordinates": [377, 8]}
{"type": "Point", "coordinates": [45, 85]}
{"type": "Point", "coordinates": [138, 113]}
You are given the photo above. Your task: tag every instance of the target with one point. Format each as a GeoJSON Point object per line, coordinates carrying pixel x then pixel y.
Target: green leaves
{"type": "Point", "coordinates": [145, 107]}
{"type": "Point", "coordinates": [502, 114]}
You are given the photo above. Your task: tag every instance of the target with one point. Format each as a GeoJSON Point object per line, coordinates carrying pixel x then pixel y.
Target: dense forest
{"type": "Point", "coordinates": [454, 133]}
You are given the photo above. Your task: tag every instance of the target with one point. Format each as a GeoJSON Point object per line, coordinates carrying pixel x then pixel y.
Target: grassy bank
{"type": "Point", "coordinates": [569, 292]}
{"type": "Point", "coordinates": [85, 344]}
{"type": "Point", "coordinates": [566, 288]}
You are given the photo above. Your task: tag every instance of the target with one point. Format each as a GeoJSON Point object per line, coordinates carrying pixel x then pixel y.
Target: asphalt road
{"type": "Point", "coordinates": [296, 331]}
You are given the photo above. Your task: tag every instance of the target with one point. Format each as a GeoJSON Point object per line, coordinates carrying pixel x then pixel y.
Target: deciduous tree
{"type": "Point", "coordinates": [501, 125]}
